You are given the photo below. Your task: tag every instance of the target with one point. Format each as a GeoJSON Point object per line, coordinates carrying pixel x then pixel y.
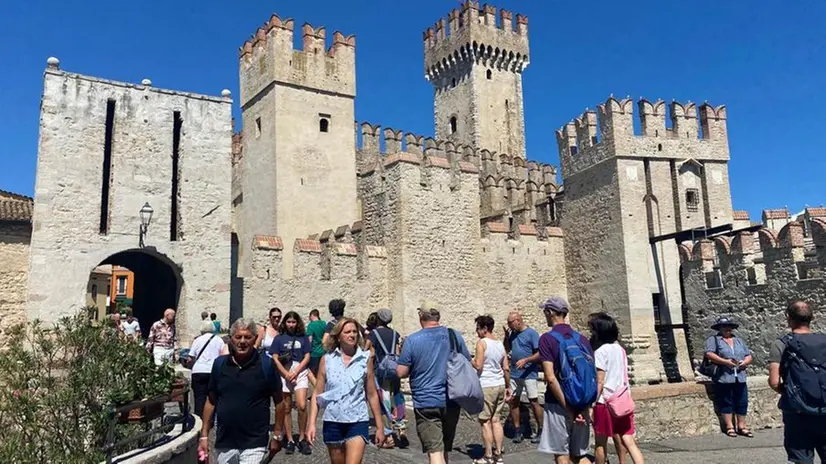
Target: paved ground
{"type": "Point", "coordinates": [764, 448]}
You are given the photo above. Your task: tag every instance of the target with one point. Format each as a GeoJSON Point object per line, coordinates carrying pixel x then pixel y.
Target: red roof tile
{"type": "Point", "coordinates": [15, 207]}
{"type": "Point", "coordinates": [781, 213]}
{"type": "Point", "coordinates": [741, 215]}
{"type": "Point", "coordinates": [816, 212]}
{"type": "Point", "coordinates": [267, 242]}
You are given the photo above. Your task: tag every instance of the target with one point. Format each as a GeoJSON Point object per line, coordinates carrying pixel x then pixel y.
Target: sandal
{"type": "Point", "coordinates": [388, 443]}
{"type": "Point", "coordinates": [483, 460]}
{"type": "Point", "coordinates": [731, 432]}
{"type": "Point", "coordinates": [745, 433]}
{"type": "Point", "coordinates": [497, 459]}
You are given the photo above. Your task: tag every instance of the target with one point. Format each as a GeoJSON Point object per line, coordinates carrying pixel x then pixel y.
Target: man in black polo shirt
{"type": "Point", "coordinates": [240, 388]}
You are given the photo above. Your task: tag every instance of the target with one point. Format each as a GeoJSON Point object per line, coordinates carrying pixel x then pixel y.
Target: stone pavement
{"type": "Point", "coordinates": [764, 448]}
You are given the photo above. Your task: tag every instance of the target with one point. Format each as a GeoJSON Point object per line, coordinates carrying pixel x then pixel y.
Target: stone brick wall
{"type": "Point", "coordinates": [687, 409]}
{"type": "Point", "coordinates": [758, 306]}
{"type": "Point", "coordinates": [14, 256]}
{"type": "Point", "coordinates": [321, 272]}
{"type": "Point", "coordinates": [67, 209]}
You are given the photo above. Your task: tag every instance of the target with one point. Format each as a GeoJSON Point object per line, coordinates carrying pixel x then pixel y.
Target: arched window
{"type": "Point", "coordinates": [453, 124]}
{"type": "Point", "coordinates": [489, 74]}
{"type": "Point", "coordinates": [324, 125]}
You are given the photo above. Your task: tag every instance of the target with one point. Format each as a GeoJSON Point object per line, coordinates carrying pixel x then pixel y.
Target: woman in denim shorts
{"type": "Point", "coordinates": [345, 387]}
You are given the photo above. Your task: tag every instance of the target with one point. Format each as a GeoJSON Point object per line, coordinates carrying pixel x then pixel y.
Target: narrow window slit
{"type": "Point", "coordinates": [175, 200]}
{"type": "Point", "coordinates": [107, 166]}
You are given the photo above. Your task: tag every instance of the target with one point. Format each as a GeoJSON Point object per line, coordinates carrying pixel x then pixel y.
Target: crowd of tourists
{"type": "Point", "coordinates": [349, 372]}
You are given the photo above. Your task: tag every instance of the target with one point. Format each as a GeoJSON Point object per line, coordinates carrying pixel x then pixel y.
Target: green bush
{"type": "Point", "coordinates": [59, 384]}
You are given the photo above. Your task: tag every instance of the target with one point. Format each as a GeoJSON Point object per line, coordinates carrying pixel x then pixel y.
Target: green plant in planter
{"type": "Point", "coordinates": [59, 384]}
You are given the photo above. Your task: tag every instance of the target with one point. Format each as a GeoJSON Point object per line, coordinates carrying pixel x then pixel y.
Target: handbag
{"type": "Point", "coordinates": [708, 368]}
{"type": "Point", "coordinates": [620, 404]}
{"type": "Point", "coordinates": [189, 361]}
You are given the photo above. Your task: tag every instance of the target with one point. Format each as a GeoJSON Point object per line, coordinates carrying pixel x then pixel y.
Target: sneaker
{"type": "Point", "coordinates": [304, 448]}
{"type": "Point", "coordinates": [537, 437]}
{"type": "Point", "coordinates": [290, 448]}
{"type": "Point", "coordinates": [518, 438]}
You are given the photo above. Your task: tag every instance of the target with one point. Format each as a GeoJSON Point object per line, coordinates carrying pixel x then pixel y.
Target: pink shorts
{"type": "Point", "coordinates": [606, 425]}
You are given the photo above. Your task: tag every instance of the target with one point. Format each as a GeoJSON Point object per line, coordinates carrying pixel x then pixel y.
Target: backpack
{"type": "Point", "coordinates": [803, 370]}
{"type": "Point", "coordinates": [386, 368]}
{"type": "Point", "coordinates": [577, 373]}
{"type": "Point", "coordinates": [463, 386]}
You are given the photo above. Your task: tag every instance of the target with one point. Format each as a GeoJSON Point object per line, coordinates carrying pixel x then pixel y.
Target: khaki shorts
{"type": "Point", "coordinates": [436, 428]}
{"type": "Point", "coordinates": [524, 390]}
{"type": "Point", "coordinates": [494, 402]}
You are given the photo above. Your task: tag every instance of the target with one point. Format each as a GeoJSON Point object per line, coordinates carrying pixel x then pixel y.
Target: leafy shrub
{"type": "Point", "coordinates": [59, 384]}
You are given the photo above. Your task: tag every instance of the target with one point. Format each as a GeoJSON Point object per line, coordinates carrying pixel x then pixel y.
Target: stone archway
{"type": "Point", "coordinates": [158, 283]}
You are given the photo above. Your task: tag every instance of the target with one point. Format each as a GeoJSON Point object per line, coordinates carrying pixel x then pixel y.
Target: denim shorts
{"type": "Point", "coordinates": [337, 433]}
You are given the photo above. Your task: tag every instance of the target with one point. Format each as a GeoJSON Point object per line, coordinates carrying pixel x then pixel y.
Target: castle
{"type": "Point", "coordinates": [302, 207]}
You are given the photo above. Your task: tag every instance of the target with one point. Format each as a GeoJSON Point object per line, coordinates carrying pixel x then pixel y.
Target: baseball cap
{"type": "Point", "coordinates": [556, 304]}
{"type": "Point", "coordinates": [428, 307]}
{"type": "Point", "coordinates": [385, 316]}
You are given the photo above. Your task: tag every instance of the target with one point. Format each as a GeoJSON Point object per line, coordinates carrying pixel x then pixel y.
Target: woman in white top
{"type": "Point", "coordinates": [494, 374]}
{"type": "Point", "coordinates": [612, 378]}
{"type": "Point", "coordinates": [268, 332]}
{"type": "Point", "coordinates": [204, 350]}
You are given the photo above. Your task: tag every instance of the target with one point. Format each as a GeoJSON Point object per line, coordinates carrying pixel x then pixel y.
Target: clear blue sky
{"type": "Point", "coordinates": [765, 62]}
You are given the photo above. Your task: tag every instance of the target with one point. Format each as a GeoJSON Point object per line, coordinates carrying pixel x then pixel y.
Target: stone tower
{"type": "Point", "coordinates": [475, 65]}
{"type": "Point", "coordinates": [622, 193]}
{"type": "Point", "coordinates": [298, 173]}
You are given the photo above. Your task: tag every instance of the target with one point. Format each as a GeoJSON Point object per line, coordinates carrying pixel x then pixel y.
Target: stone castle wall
{"type": "Point", "coordinates": [751, 279]}
{"type": "Point", "coordinates": [14, 256]}
{"type": "Point", "coordinates": [68, 191]}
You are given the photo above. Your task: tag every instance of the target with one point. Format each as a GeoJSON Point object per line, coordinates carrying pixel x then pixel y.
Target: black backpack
{"type": "Point", "coordinates": [803, 370]}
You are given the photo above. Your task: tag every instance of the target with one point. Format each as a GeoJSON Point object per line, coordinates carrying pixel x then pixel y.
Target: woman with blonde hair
{"type": "Point", "coordinates": [346, 389]}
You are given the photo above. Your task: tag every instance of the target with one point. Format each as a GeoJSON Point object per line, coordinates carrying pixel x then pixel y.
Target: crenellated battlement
{"type": "Point", "coordinates": [317, 258]}
{"type": "Point", "coordinates": [507, 183]}
{"type": "Point", "coordinates": [269, 56]}
{"type": "Point", "coordinates": [473, 34]}
{"type": "Point", "coordinates": [406, 147]}
{"type": "Point", "coordinates": [609, 131]}
{"type": "Point", "coordinates": [762, 258]}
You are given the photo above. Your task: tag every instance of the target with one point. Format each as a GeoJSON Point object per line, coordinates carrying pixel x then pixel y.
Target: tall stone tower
{"type": "Point", "coordinates": [475, 65]}
{"type": "Point", "coordinates": [298, 174]}
{"type": "Point", "coordinates": [623, 193]}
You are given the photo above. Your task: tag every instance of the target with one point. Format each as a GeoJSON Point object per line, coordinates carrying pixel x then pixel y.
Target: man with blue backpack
{"type": "Point", "coordinates": [570, 375]}
{"type": "Point", "coordinates": [797, 370]}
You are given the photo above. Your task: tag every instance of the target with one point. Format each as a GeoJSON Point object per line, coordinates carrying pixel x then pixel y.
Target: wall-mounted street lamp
{"type": "Point", "coordinates": [146, 218]}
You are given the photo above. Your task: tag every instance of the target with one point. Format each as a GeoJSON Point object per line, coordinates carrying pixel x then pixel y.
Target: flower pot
{"type": "Point", "coordinates": [142, 414]}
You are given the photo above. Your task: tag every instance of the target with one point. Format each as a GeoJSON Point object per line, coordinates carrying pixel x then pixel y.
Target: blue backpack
{"type": "Point", "coordinates": [577, 374]}
{"type": "Point", "coordinates": [803, 370]}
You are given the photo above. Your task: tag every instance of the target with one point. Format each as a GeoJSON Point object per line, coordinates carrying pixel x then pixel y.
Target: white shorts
{"type": "Point", "coordinates": [162, 355]}
{"type": "Point", "coordinates": [302, 382]}
{"type": "Point", "coordinates": [561, 436]}
{"type": "Point", "coordinates": [524, 389]}
{"type": "Point", "coordinates": [247, 456]}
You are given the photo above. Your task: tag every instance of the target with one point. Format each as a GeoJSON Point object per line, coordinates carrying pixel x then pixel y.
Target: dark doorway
{"type": "Point", "coordinates": [157, 284]}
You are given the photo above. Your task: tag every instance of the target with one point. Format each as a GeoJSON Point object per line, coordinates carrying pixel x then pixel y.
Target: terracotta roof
{"type": "Point", "coordinates": [781, 213]}
{"type": "Point", "coordinates": [816, 212]}
{"type": "Point", "coordinates": [741, 215]}
{"type": "Point", "coordinates": [15, 207]}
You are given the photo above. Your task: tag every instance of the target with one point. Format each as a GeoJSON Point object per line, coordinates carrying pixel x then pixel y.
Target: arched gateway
{"type": "Point", "coordinates": [137, 177]}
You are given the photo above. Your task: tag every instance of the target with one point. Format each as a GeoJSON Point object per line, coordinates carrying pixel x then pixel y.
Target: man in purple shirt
{"type": "Point", "coordinates": [566, 433]}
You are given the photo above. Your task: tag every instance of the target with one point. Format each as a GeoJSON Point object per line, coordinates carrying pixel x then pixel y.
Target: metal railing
{"type": "Point", "coordinates": [166, 426]}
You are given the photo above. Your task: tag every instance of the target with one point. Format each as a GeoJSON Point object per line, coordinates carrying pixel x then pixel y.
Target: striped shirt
{"type": "Point", "coordinates": [344, 396]}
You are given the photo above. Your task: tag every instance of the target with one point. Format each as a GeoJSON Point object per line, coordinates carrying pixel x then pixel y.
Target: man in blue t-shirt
{"type": "Point", "coordinates": [523, 344]}
{"type": "Point", "coordinates": [424, 358]}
